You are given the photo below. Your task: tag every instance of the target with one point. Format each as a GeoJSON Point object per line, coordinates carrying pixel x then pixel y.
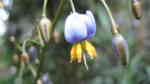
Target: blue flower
{"type": "Point", "coordinates": [79, 27]}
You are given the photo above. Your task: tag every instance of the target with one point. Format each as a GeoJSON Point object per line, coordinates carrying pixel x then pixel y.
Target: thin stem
{"type": "Point", "coordinates": [109, 14]}
{"type": "Point", "coordinates": [85, 63]}
{"type": "Point", "coordinates": [44, 8]}
{"type": "Point", "coordinates": [42, 60]}
{"type": "Point", "coordinates": [32, 70]}
{"type": "Point", "coordinates": [57, 16]}
{"type": "Point", "coordinates": [21, 70]}
{"type": "Point", "coordinates": [24, 46]}
{"type": "Point", "coordinates": [72, 6]}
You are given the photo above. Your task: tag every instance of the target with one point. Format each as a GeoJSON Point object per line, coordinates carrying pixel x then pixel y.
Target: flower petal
{"type": "Point", "coordinates": [91, 25]}
{"type": "Point", "coordinates": [75, 29]}
{"type": "Point", "coordinates": [79, 52]}
{"type": "Point", "coordinates": [73, 53]}
{"type": "Point", "coordinates": [3, 28]}
{"type": "Point", "coordinates": [90, 49]}
{"type": "Point", "coordinates": [8, 3]}
{"type": "Point", "coordinates": [4, 15]}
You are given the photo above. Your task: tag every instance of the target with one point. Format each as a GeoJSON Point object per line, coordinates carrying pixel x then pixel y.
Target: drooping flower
{"type": "Point", "coordinates": [120, 47]}
{"type": "Point", "coordinates": [78, 29]}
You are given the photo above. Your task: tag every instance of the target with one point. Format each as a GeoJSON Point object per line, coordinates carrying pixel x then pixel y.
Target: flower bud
{"type": "Point", "coordinates": [136, 9]}
{"type": "Point", "coordinates": [120, 47]}
{"type": "Point", "coordinates": [15, 59]}
{"type": "Point", "coordinates": [33, 54]}
{"type": "Point", "coordinates": [24, 57]}
{"type": "Point", "coordinates": [12, 39]}
{"type": "Point", "coordinates": [45, 29]}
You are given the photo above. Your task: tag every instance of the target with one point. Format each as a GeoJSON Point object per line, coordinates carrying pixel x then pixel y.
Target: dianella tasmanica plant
{"type": "Point", "coordinates": [79, 28]}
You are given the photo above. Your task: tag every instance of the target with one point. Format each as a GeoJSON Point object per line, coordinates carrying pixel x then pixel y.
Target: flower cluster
{"type": "Point", "coordinates": [78, 29]}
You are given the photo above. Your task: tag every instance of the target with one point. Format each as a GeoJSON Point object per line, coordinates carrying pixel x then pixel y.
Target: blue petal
{"type": "Point", "coordinates": [91, 25]}
{"type": "Point", "coordinates": [4, 15]}
{"type": "Point", "coordinates": [75, 29]}
{"type": "Point", "coordinates": [8, 3]}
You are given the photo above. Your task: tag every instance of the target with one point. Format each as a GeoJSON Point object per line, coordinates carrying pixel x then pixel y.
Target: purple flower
{"type": "Point", "coordinates": [79, 27]}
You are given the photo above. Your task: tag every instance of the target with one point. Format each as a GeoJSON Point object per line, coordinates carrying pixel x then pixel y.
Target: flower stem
{"type": "Point", "coordinates": [57, 16]}
{"type": "Point", "coordinates": [22, 65]}
{"type": "Point", "coordinates": [114, 25]}
{"type": "Point", "coordinates": [72, 6]}
{"type": "Point", "coordinates": [85, 63]}
{"type": "Point", "coordinates": [24, 46]}
{"type": "Point", "coordinates": [44, 7]}
{"type": "Point", "coordinates": [32, 70]}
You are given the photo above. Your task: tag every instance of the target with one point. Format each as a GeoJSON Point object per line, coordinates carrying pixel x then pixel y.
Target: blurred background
{"type": "Point", "coordinates": [24, 16]}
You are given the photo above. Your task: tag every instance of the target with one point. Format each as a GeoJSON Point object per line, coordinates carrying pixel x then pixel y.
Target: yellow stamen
{"type": "Point", "coordinates": [1, 5]}
{"type": "Point", "coordinates": [89, 48]}
{"type": "Point", "coordinates": [73, 53]}
{"type": "Point", "coordinates": [79, 52]}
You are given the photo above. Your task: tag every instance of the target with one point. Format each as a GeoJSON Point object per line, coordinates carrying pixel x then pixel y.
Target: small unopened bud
{"type": "Point", "coordinates": [24, 57]}
{"type": "Point", "coordinates": [12, 39]}
{"type": "Point", "coordinates": [15, 59]}
{"type": "Point", "coordinates": [136, 8]}
{"type": "Point", "coordinates": [120, 47]}
{"type": "Point", "coordinates": [45, 29]}
{"type": "Point", "coordinates": [33, 54]}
